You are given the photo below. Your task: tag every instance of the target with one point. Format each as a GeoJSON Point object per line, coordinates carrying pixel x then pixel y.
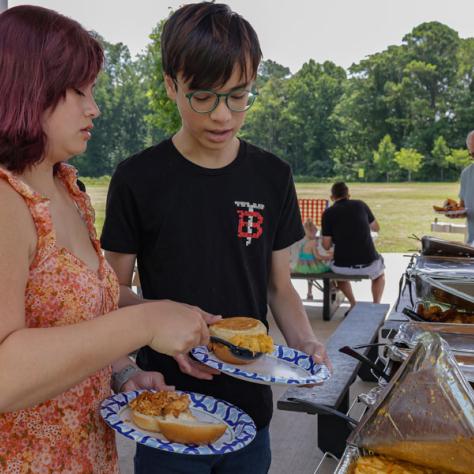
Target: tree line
{"type": "Point", "coordinates": [399, 114]}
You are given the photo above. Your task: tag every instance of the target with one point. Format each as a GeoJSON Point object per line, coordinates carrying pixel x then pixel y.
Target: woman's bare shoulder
{"type": "Point", "coordinates": [11, 200]}
{"type": "Point", "coordinates": [15, 218]}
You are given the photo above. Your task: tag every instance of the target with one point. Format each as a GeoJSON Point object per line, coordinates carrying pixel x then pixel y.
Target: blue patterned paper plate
{"type": "Point", "coordinates": [284, 366]}
{"type": "Point", "coordinates": [240, 427]}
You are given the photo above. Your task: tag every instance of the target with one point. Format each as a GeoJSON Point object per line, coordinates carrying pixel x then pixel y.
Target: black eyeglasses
{"type": "Point", "coordinates": [204, 101]}
{"type": "Point", "coordinates": [237, 100]}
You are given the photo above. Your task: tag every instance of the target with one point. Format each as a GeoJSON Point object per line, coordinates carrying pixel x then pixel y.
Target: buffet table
{"type": "Point", "coordinates": [361, 326]}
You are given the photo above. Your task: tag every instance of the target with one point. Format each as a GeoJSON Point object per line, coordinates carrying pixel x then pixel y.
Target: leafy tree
{"type": "Point", "coordinates": [164, 113]}
{"type": "Point", "coordinates": [121, 129]}
{"type": "Point", "coordinates": [385, 155]}
{"type": "Point", "coordinates": [264, 124]}
{"type": "Point", "coordinates": [459, 158]}
{"type": "Point", "coordinates": [271, 70]}
{"type": "Point", "coordinates": [463, 94]}
{"type": "Point", "coordinates": [309, 123]}
{"type": "Point", "coordinates": [409, 159]}
{"type": "Point", "coordinates": [406, 91]}
{"type": "Point", "coordinates": [438, 156]}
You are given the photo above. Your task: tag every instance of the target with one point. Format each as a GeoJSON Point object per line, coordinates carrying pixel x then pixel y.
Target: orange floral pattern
{"type": "Point", "coordinates": [65, 434]}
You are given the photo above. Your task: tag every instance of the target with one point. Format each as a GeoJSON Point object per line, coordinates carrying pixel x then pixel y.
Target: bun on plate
{"type": "Point", "coordinates": [169, 414]}
{"type": "Point", "coordinates": [242, 331]}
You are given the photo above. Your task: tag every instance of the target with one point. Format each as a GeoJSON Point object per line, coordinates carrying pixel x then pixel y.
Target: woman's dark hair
{"type": "Point", "coordinates": [205, 41]}
{"type": "Point", "coordinates": [42, 54]}
{"type": "Point", "coordinates": [339, 190]}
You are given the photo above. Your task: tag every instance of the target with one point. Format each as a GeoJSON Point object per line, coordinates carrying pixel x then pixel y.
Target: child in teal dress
{"type": "Point", "coordinates": [310, 257]}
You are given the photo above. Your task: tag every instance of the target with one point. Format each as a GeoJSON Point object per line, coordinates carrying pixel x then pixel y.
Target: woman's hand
{"type": "Point", "coordinates": [176, 328]}
{"type": "Point", "coordinates": [146, 380]}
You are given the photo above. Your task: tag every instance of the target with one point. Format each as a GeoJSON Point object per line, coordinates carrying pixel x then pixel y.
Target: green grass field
{"type": "Point", "coordinates": [402, 209]}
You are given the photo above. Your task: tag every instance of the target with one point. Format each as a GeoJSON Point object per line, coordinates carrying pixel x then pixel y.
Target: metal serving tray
{"type": "Point", "coordinates": [442, 267]}
{"type": "Point", "coordinates": [445, 292]}
{"type": "Point", "coordinates": [428, 404]}
{"type": "Point", "coordinates": [460, 337]}
{"type": "Point", "coordinates": [349, 457]}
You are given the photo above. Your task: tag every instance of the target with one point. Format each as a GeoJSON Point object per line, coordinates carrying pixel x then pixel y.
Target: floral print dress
{"type": "Point", "coordinates": [65, 434]}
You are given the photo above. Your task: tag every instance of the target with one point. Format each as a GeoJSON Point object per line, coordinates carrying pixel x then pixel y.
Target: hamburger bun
{"type": "Point", "coordinates": [168, 413]}
{"type": "Point", "coordinates": [242, 331]}
{"type": "Point", "coordinates": [191, 431]}
{"type": "Point", "coordinates": [145, 422]}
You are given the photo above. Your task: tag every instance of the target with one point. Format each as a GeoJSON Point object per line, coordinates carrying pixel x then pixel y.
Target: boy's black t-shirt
{"type": "Point", "coordinates": [348, 221]}
{"type": "Point", "coordinates": [204, 237]}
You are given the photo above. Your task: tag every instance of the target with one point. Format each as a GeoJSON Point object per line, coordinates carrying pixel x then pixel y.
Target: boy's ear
{"type": "Point", "coordinates": [170, 86]}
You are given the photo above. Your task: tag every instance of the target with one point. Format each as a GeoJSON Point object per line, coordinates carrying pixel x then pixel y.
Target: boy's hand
{"type": "Point", "coordinates": [317, 350]}
{"type": "Point", "coordinates": [192, 367]}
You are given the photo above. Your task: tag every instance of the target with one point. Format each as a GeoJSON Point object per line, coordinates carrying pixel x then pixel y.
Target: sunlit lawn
{"type": "Point", "coordinates": [402, 209]}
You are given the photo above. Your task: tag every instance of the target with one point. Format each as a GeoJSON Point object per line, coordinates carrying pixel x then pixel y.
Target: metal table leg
{"type": "Point", "coordinates": [327, 299]}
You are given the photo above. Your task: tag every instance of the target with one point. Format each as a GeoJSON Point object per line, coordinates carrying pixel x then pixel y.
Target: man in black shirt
{"type": "Point", "coordinates": [209, 219]}
{"type": "Point", "coordinates": [347, 225]}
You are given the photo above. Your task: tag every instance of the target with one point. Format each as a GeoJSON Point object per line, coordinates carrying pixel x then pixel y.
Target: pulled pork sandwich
{"type": "Point", "coordinates": [169, 414]}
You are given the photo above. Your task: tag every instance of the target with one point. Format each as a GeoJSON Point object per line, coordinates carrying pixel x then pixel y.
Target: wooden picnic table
{"type": "Point", "coordinates": [332, 297]}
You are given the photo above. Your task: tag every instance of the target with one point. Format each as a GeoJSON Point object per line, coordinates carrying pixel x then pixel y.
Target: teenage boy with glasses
{"type": "Point", "coordinates": [210, 219]}
{"type": "Point", "coordinates": [466, 192]}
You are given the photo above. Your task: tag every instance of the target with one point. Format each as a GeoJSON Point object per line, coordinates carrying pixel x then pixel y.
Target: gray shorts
{"type": "Point", "coordinates": [373, 270]}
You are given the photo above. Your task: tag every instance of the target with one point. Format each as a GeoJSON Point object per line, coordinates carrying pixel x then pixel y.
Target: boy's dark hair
{"type": "Point", "coordinates": [339, 190]}
{"type": "Point", "coordinates": [205, 41]}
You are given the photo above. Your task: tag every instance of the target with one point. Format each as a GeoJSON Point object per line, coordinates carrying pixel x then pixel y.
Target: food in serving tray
{"type": "Point", "coordinates": [446, 457]}
{"type": "Point", "coordinates": [169, 413]}
{"type": "Point", "coordinates": [449, 205]}
{"type": "Point", "coordinates": [387, 465]}
{"type": "Point", "coordinates": [242, 331]}
{"type": "Point", "coordinates": [436, 314]}
{"type": "Point", "coordinates": [448, 298]}
{"type": "Point", "coordinates": [426, 414]}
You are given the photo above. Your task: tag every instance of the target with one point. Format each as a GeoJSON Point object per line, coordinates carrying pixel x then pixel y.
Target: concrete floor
{"type": "Point", "coordinates": [293, 435]}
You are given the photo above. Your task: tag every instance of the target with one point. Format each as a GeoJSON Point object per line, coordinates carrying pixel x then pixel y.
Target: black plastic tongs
{"type": "Point", "coordinates": [413, 315]}
{"type": "Point", "coordinates": [239, 352]}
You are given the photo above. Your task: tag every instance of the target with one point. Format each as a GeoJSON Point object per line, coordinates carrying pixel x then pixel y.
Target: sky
{"type": "Point", "coordinates": [290, 31]}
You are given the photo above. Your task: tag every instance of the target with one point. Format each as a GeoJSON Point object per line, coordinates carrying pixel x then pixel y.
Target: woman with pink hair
{"type": "Point", "coordinates": [60, 329]}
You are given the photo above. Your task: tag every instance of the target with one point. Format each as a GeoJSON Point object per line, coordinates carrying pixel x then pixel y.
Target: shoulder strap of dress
{"type": "Point", "coordinates": [39, 209]}
{"type": "Point", "coordinates": [68, 174]}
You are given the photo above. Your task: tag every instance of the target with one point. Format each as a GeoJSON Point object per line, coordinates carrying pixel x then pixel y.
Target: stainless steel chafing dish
{"type": "Point", "coordinates": [444, 300]}
{"type": "Point", "coordinates": [442, 267]}
{"type": "Point", "coordinates": [459, 337]}
{"type": "Point", "coordinates": [424, 415]}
